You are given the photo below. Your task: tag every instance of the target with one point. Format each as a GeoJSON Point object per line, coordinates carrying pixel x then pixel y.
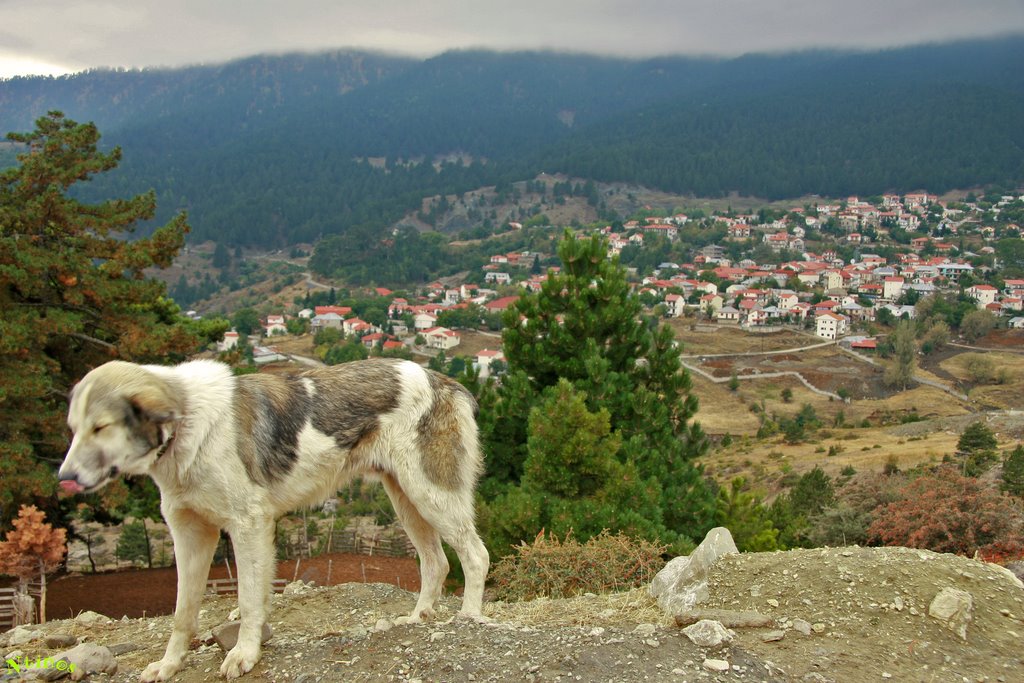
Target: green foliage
{"type": "Point", "coordinates": [73, 294]}
{"type": "Point", "coordinates": [572, 479]}
{"type": "Point", "coordinates": [554, 568]}
{"type": "Point", "coordinates": [585, 328]}
{"type": "Point", "coordinates": [742, 513]}
{"type": "Point", "coordinates": [791, 512]}
{"type": "Point", "coordinates": [246, 321]}
{"type": "Point", "coordinates": [346, 352]}
{"type": "Point", "coordinates": [977, 448]}
{"type": "Point", "coordinates": [133, 543]}
{"type": "Point", "coordinates": [1013, 472]}
{"type": "Point", "coordinates": [977, 324]}
{"type": "Point", "coordinates": [839, 525]}
{"type": "Point", "coordinates": [904, 364]}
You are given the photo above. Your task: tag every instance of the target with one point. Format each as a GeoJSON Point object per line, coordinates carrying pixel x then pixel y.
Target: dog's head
{"type": "Point", "coordinates": [122, 417]}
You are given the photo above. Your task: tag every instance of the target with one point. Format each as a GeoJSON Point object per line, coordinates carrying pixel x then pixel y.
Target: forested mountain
{"type": "Point", "coordinates": [275, 150]}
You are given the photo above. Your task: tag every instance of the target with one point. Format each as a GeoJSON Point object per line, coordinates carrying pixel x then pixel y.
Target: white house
{"type": "Point", "coordinates": [485, 358]}
{"type": "Point", "coordinates": [275, 325]}
{"type": "Point", "coordinates": [424, 321]}
{"type": "Point", "coordinates": [498, 278]}
{"type": "Point", "coordinates": [892, 288]}
{"type": "Point", "coordinates": [982, 294]}
{"type": "Point", "coordinates": [229, 342]}
{"type": "Point", "coordinates": [728, 314]}
{"type": "Point", "coordinates": [830, 325]}
{"type": "Point", "coordinates": [441, 338]}
{"type": "Point", "coordinates": [325, 320]}
{"type": "Point", "coordinates": [676, 304]}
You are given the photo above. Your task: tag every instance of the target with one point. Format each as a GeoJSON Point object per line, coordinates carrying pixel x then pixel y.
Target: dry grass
{"type": "Point", "coordinates": [733, 340]}
{"type": "Point", "coordinates": [611, 609]}
{"type": "Point", "coordinates": [1008, 395]}
{"type": "Point", "coordinates": [557, 568]}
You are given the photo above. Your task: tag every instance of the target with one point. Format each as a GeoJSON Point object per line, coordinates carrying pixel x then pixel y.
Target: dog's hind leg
{"type": "Point", "coordinates": [194, 543]}
{"type": "Point", "coordinates": [450, 515]}
{"type": "Point", "coordinates": [253, 540]}
{"type": "Point", "coordinates": [460, 533]}
{"type": "Point", "coordinates": [427, 541]}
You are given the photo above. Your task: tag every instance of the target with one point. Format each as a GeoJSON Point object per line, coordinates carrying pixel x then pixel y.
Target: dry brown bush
{"type": "Point", "coordinates": [555, 568]}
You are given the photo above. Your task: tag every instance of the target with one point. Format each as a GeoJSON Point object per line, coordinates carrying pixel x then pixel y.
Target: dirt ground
{"type": "Point", "coordinates": [841, 615]}
{"type": "Point", "coordinates": [150, 592]}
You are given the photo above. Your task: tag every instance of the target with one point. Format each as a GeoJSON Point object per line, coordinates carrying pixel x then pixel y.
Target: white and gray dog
{"type": "Point", "coordinates": [235, 453]}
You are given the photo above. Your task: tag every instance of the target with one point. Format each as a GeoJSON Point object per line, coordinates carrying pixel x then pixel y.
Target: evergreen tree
{"type": "Point", "coordinates": [742, 513]}
{"type": "Point", "coordinates": [73, 294]}
{"type": "Point", "coordinates": [133, 543]}
{"type": "Point", "coordinates": [1013, 472]}
{"type": "Point", "coordinates": [977, 448]}
{"type": "Point", "coordinates": [586, 327]}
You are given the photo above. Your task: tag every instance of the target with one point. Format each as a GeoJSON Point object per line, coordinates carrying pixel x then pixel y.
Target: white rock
{"type": "Point", "coordinates": [682, 583]}
{"type": "Point", "coordinates": [716, 665]}
{"type": "Point", "coordinates": [645, 630]}
{"type": "Point", "coordinates": [89, 658]}
{"type": "Point", "coordinates": [89, 618]}
{"type": "Point", "coordinates": [708, 633]}
{"type": "Point", "coordinates": [802, 626]}
{"type": "Point", "coordinates": [21, 635]}
{"type": "Point", "coordinates": [954, 608]}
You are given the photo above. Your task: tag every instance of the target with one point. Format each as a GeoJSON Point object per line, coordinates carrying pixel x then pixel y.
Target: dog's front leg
{"type": "Point", "coordinates": [253, 541]}
{"type": "Point", "coordinates": [195, 541]}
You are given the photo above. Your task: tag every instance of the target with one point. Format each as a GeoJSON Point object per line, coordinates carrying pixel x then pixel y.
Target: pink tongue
{"type": "Point", "coordinates": [71, 486]}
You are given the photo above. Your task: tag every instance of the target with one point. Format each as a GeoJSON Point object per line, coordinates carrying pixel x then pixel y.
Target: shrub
{"type": "Point", "coordinates": [946, 512]}
{"type": "Point", "coordinates": [564, 568]}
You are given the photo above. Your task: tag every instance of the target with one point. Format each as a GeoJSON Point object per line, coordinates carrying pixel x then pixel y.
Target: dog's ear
{"type": "Point", "coordinates": [156, 404]}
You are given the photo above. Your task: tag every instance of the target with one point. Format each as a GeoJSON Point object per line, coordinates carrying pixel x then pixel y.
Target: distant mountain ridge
{"type": "Point", "coordinates": [274, 150]}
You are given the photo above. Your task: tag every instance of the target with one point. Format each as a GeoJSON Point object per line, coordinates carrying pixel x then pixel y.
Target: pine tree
{"type": "Point", "coordinates": [586, 327]}
{"type": "Point", "coordinates": [977, 448]}
{"type": "Point", "coordinates": [1013, 472]}
{"type": "Point", "coordinates": [73, 294]}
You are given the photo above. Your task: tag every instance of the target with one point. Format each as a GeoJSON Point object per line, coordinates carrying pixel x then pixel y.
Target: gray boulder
{"type": "Point", "coordinates": [226, 635]}
{"type": "Point", "coordinates": [83, 659]}
{"type": "Point", "coordinates": [683, 581]}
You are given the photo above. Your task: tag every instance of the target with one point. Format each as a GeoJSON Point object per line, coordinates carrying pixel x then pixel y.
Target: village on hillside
{"type": "Point", "coordinates": [873, 262]}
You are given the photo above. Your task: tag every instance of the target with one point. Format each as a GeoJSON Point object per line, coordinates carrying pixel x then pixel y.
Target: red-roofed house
{"type": "Point", "coordinates": [500, 304]}
{"type": "Point", "coordinates": [339, 310]}
{"type": "Point", "coordinates": [830, 325]}
{"type": "Point", "coordinates": [441, 338]}
{"type": "Point", "coordinates": [982, 294]}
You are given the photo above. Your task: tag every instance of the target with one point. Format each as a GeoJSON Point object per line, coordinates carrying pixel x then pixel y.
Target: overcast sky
{"type": "Point", "coordinates": [60, 36]}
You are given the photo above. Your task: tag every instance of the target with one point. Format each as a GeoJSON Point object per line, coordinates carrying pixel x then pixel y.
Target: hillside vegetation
{"type": "Point", "coordinates": [273, 151]}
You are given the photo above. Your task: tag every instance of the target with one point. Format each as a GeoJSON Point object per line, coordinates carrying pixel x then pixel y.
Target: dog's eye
{"type": "Point", "coordinates": [98, 428]}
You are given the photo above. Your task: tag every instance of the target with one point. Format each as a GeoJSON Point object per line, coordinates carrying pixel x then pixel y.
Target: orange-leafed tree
{"type": "Point", "coordinates": [32, 549]}
{"type": "Point", "coordinates": [950, 513]}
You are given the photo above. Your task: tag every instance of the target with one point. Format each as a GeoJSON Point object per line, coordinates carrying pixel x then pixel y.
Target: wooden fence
{"type": "Point", "coordinates": [392, 542]}
{"type": "Point", "coordinates": [35, 589]}
{"type": "Point", "coordinates": [6, 608]}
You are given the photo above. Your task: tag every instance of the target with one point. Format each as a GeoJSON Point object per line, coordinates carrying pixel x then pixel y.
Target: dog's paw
{"type": "Point", "coordinates": [239, 662]}
{"type": "Point", "coordinates": [160, 671]}
{"type": "Point", "coordinates": [417, 617]}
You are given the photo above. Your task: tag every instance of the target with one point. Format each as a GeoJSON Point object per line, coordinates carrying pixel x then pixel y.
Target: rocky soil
{"type": "Point", "coordinates": [847, 614]}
